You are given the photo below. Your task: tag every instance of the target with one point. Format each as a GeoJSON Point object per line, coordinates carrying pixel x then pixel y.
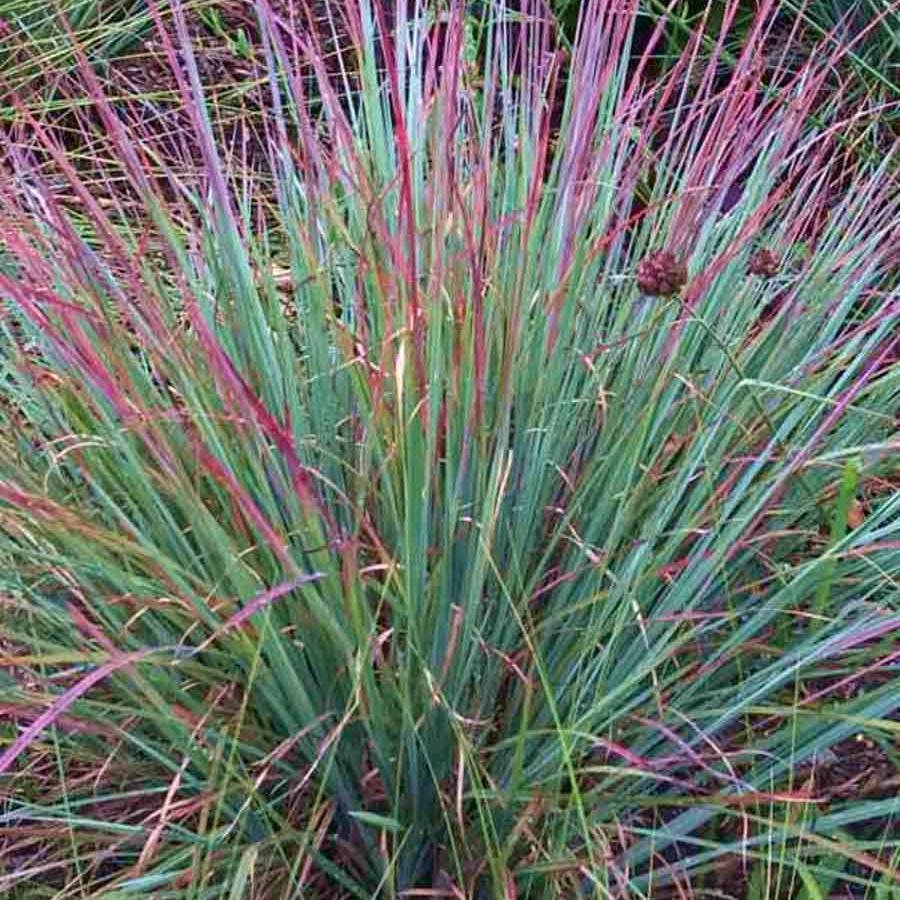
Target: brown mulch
{"type": "Point", "coordinates": [145, 93]}
{"type": "Point", "coordinates": [854, 769]}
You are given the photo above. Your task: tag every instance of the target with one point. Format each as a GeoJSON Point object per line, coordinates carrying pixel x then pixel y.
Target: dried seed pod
{"type": "Point", "coordinates": [764, 263]}
{"type": "Point", "coordinates": [661, 274]}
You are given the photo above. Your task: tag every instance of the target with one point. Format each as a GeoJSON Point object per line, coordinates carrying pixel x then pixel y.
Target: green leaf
{"type": "Point", "coordinates": [810, 889]}
{"type": "Point", "coordinates": [376, 821]}
{"type": "Point", "coordinates": [243, 873]}
{"type": "Point", "coordinates": [838, 527]}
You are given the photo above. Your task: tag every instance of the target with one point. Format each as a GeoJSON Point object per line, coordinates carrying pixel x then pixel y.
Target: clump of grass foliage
{"type": "Point", "coordinates": [366, 531]}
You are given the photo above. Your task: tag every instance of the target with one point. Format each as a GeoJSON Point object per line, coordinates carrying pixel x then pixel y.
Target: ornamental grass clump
{"type": "Point", "coordinates": [364, 533]}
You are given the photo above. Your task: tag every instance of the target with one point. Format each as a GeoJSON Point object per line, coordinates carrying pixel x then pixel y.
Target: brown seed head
{"type": "Point", "coordinates": [763, 263]}
{"type": "Point", "coordinates": [661, 274]}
